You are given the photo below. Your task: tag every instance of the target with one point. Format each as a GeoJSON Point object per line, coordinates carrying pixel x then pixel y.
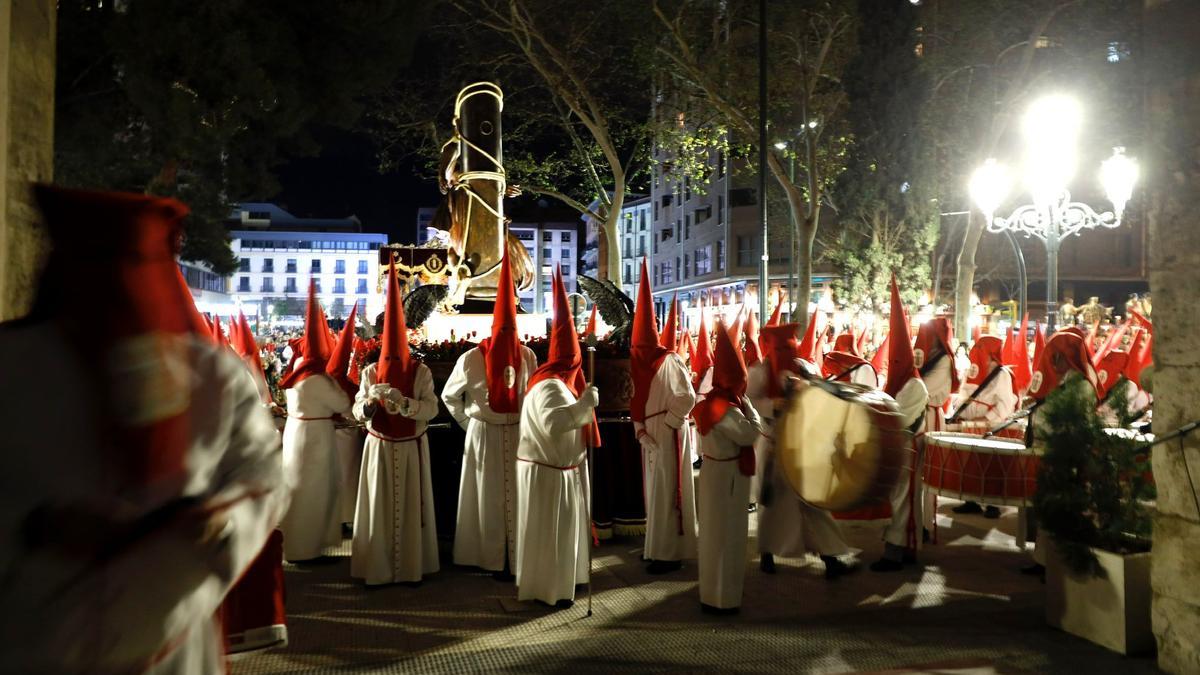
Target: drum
{"type": "Point", "coordinates": [988, 470]}
{"type": "Point", "coordinates": [1014, 431]}
{"type": "Point", "coordinates": [841, 446]}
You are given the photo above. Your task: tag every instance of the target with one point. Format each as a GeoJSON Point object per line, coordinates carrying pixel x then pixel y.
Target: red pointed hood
{"type": "Point", "coordinates": [751, 349]}
{"type": "Point", "coordinates": [1018, 358]}
{"type": "Point", "coordinates": [1141, 356]}
{"type": "Point", "coordinates": [247, 348]}
{"type": "Point", "coordinates": [590, 328]}
{"type": "Point", "coordinates": [837, 365]}
{"type": "Point", "coordinates": [1111, 341]}
{"type": "Point", "coordinates": [901, 365]}
{"type": "Point", "coordinates": [808, 346]}
{"type": "Point", "coordinates": [669, 338]}
{"type": "Point", "coordinates": [861, 346]}
{"type": "Point", "coordinates": [846, 342]}
{"type": "Point", "coordinates": [1039, 345]}
{"type": "Point", "coordinates": [314, 346]}
{"type": "Point", "coordinates": [646, 354]}
{"type": "Point", "coordinates": [339, 362]}
{"type": "Point", "coordinates": [933, 343]}
{"type": "Point", "coordinates": [112, 268]}
{"type": "Point", "coordinates": [686, 347]}
{"type": "Point", "coordinates": [219, 335]}
{"type": "Point", "coordinates": [780, 355]}
{"type": "Point", "coordinates": [197, 323]}
{"type": "Point", "coordinates": [775, 313]}
{"type": "Point", "coordinates": [502, 350]}
{"type": "Point", "coordinates": [396, 365]}
{"type": "Point", "coordinates": [728, 382]}
{"type": "Point", "coordinates": [879, 360]}
{"type": "Point", "coordinates": [1065, 351]}
{"type": "Point", "coordinates": [986, 353]}
{"type": "Point", "coordinates": [1109, 371]}
{"type": "Point", "coordinates": [565, 360]}
{"type": "Point", "coordinates": [702, 359]}
{"type": "Point", "coordinates": [735, 328]}
{"type": "Point", "coordinates": [235, 328]}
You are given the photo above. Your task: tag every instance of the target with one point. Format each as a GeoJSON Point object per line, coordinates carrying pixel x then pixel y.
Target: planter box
{"type": "Point", "coordinates": [1112, 611]}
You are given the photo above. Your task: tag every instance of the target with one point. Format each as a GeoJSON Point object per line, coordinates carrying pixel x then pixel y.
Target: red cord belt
{"type": "Point", "coordinates": [548, 466]}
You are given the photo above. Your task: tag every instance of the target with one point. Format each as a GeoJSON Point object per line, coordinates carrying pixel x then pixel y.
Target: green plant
{"type": "Point", "coordinates": [1092, 486]}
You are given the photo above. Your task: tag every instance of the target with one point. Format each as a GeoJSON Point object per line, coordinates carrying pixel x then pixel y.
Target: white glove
{"type": "Point", "coordinates": [648, 443]}
{"type": "Point", "coordinates": [378, 392]}
{"type": "Point", "coordinates": [590, 397]}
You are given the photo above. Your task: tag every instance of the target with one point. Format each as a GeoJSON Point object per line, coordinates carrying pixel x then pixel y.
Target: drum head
{"type": "Point", "coordinates": [841, 447]}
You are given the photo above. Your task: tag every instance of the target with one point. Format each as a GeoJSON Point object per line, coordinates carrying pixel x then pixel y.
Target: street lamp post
{"type": "Point", "coordinates": [1051, 128]}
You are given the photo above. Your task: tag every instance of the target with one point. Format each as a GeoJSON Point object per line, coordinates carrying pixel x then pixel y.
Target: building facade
{"type": "Point", "coordinates": [637, 220]}
{"type": "Point", "coordinates": [278, 254]}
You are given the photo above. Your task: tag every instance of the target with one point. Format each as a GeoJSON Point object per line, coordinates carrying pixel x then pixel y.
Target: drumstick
{"type": "Point", "coordinates": [591, 347]}
{"type": "Point", "coordinates": [1013, 420]}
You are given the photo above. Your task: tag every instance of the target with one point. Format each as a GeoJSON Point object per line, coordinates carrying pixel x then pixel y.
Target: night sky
{"type": "Point", "coordinates": [344, 180]}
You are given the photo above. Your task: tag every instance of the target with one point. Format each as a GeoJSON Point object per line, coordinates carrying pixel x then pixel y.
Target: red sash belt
{"type": "Point", "coordinates": [653, 415]}
{"type": "Point", "coordinates": [548, 466]}
{"type": "Point", "coordinates": [420, 465]}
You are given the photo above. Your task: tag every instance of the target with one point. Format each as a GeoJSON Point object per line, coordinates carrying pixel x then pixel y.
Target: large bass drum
{"type": "Point", "coordinates": [841, 446]}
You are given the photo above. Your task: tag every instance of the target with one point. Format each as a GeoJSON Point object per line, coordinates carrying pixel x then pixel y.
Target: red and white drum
{"type": "Point", "coordinates": [987, 470]}
{"type": "Point", "coordinates": [1015, 431]}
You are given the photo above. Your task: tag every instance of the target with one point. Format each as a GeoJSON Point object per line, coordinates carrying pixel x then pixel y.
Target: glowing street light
{"type": "Point", "coordinates": [1051, 130]}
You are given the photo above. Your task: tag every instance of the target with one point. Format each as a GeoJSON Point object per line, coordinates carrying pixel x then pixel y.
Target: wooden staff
{"type": "Point", "coordinates": [591, 378]}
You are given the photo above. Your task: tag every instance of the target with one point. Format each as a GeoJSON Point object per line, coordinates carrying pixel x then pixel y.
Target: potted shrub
{"type": "Point", "coordinates": [1092, 503]}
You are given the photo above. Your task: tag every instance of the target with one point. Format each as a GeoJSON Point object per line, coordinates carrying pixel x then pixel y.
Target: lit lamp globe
{"type": "Point", "coordinates": [1118, 174]}
{"type": "Point", "coordinates": [1051, 129]}
{"type": "Point", "coordinates": [989, 187]}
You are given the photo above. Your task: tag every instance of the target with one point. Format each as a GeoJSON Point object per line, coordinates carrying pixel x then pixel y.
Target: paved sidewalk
{"type": "Point", "coordinates": [967, 611]}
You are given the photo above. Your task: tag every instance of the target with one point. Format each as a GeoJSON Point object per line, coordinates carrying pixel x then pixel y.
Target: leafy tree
{"type": "Point", "coordinates": [709, 72]}
{"type": "Point", "coordinates": [576, 98]}
{"type": "Point", "coordinates": [886, 222]}
{"type": "Point", "coordinates": [202, 100]}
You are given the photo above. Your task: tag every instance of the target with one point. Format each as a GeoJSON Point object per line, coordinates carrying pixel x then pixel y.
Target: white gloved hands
{"type": "Point", "coordinates": [647, 442]}
{"type": "Point", "coordinates": [378, 392]}
{"type": "Point", "coordinates": [590, 397]}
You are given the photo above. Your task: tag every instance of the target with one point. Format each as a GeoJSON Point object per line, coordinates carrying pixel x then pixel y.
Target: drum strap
{"type": "Point", "coordinates": [978, 390]}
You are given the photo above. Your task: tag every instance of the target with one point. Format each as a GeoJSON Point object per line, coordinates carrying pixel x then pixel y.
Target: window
{"type": "Point", "coordinates": [642, 220]}
{"type": "Point", "coordinates": [641, 246]}
{"type": "Point", "coordinates": [657, 276]}
{"type": "Point", "coordinates": [687, 226]}
{"type": "Point", "coordinates": [289, 286]}
{"type": "Point", "coordinates": [703, 214]}
{"type": "Point", "coordinates": [628, 273]}
{"type": "Point", "coordinates": [268, 285]}
{"type": "Point", "coordinates": [339, 267]}
{"type": "Point", "coordinates": [316, 265]}
{"type": "Point", "coordinates": [244, 284]}
{"type": "Point", "coordinates": [686, 265]}
{"type": "Point", "coordinates": [564, 237]}
{"type": "Point", "coordinates": [291, 265]}
{"type": "Point", "coordinates": [339, 285]}
{"type": "Point", "coordinates": [720, 209]}
{"type": "Point", "coordinates": [703, 261]}
{"type": "Point", "coordinates": [362, 286]}
{"type": "Point", "coordinates": [666, 200]}
{"type": "Point", "coordinates": [565, 253]}
{"type": "Point", "coordinates": [566, 269]}
{"type": "Point", "coordinates": [628, 248]}
{"type": "Point", "coordinates": [678, 231]}
{"type": "Point", "coordinates": [317, 285]}
{"type": "Point", "coordinates": [547, 236]}
{"type": "Point", "coordinates": [547, 253]}
{"type": "Point", "coordinates": [745, 252]}
{"type": "Point", "coordinates": [656, 246]}
{"type": "Point", "coordinates": [268, 265]}
{"type": "Point", "coordinates": [656, 210]}
{"type": "Point", "coordinates": [676, 267]}
{"type": "Point", "coordinates": [244, 265]}
{"type": "Point", "coordinates": [743, 197]}
{"type": "Point", "coordinates": [720, 255]}
{"type": "Point", "coordinates": [362, 266]}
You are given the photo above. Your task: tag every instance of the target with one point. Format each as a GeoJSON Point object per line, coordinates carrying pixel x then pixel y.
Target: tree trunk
{"type": "Point", "coordinates": [965, 279]}
{"type": "Point", "coordinates": [612, 236]}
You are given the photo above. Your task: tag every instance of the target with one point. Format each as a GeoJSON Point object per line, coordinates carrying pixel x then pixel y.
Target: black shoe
{"type": "Point", "coordinates": [925, 538]}
{"type": "Point", "coordinates": [564, 604]}
{"type": "Point", "coordinates": [720, 611]}
{"type": "Point", "coordinates": [766, 563]}
{"type": "Point", "coordinates": [663, 566]}
{"type": "Point", "coordinates": [968, 507]}
{"type": "Point", "coordinates": [992, 512]}
{"type": "Point", "coordinates": [503, 575]}
{"type": "Point", "coordinates": [347, 530]}
{"type": "Point", "coordinates": [1034, 570]}
{"type": "Point", "coordinates": [696, 464]}
{"type": "Point", "coordinates": [835, 568]}
{"type": "Point", "coordinates": [886, 565]}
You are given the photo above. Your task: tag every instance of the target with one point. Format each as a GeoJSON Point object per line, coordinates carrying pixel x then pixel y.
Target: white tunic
{"type": "Point", "coordinates": [787, 525]}
{"type": "Point", "coordinates": [349, 455]}
{"type": "Point", "coordinates": [486, 525]}
{"type": "Point", "coordinates": [724, 493]}
{"type": "Point", "coordinates": [666, 467]}
{"type": "Point", "coordinates": [552, 494]}
{"type": "Point", "coordinates": [313, 523]}
{"type": "Point", "coordinates": [395, 536]}
{"type": "Point", "coordinates": [156, 598]}
{"type": "Point", "coordinates": [994, 405]}
{"type": "Point", "coordinates": [907, 496]}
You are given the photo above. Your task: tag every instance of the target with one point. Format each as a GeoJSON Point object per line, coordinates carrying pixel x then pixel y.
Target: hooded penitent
{"type": "Point", "coordinates": [1110, 368]}
{"type": "Point", "coordinates": [751, 350]}
{"type": "Point", "coordinates": [1018, 358]}
{"type": "Point", "coordinates": [1065, 351]}
{"type": "Point", "coordinates": [130, 322]}
{"type": "Point", "coordinates": [837, 365]}
{"type": "Point", "coordinates": [728, 388]}
{"type": "Point", "coordinates": [988, 349]}
{"type": "Point", "coordinates": [933, 344]}
{"type": "Point", "coordinates": [669, 337]}
{"type": "Point", "coordinates": [338, 367]}
{"type": "Point", "coordinates": [646, 354]}
{"type": "Point", "coordinates": [590, 327]}
{"type": "Point", "coordinates": [1039, 345]}
{"type": "Point", "coordinates": [396, 368]}
{"type": "Point", "coordinates": [808, 349]}
{"type": "Point", "coordinates": [565, 361]}
{"type": "Point", "coordinates": [314, 345]}
{"type": "Point", "coordinates": [502, 350]}
{"type": "Point", "coordinates": [702, 358]}
{"type": "Point", "coordinates": [686, 347]}
{"type": "Point", "coordinates": [780, 355]}
{"type": "Point", "coordinates": [248, 349]}
{"type": "Point", "coordinates": [846, 342]}
{"type": "Point", "coordinates": [775, 313]}
{"type": "Point", "coordinates": [901, 367]}
{"type": "Point", "coordinates": [879, 359]}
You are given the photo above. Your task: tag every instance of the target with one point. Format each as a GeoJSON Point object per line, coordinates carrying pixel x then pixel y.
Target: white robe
{"type": "Point", "coordinates": [907, 495]}
{"type": "Point", "coordinates": [937, 385]}
{"type": "Point", "coordinates": [724, 521]}
{"type": "Point", "coordinates": [993, 405]}
{"type": "Point", "coordinates": [552, 494]}
{"type": "Point", "coordinates": [670, 528]}
{"type": "Point", "coordinates": [349, 456]}
{"type": "Point", "coordinates": [313, 523]}
{"type": "Point", "coordinates": [486, 525]}
{"type": "Point", "coordinates": [159, 595]}
{"type": "Point", "coordinates": [787, 526]}
{"type": "Point", "coordinates": [395, 536]}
